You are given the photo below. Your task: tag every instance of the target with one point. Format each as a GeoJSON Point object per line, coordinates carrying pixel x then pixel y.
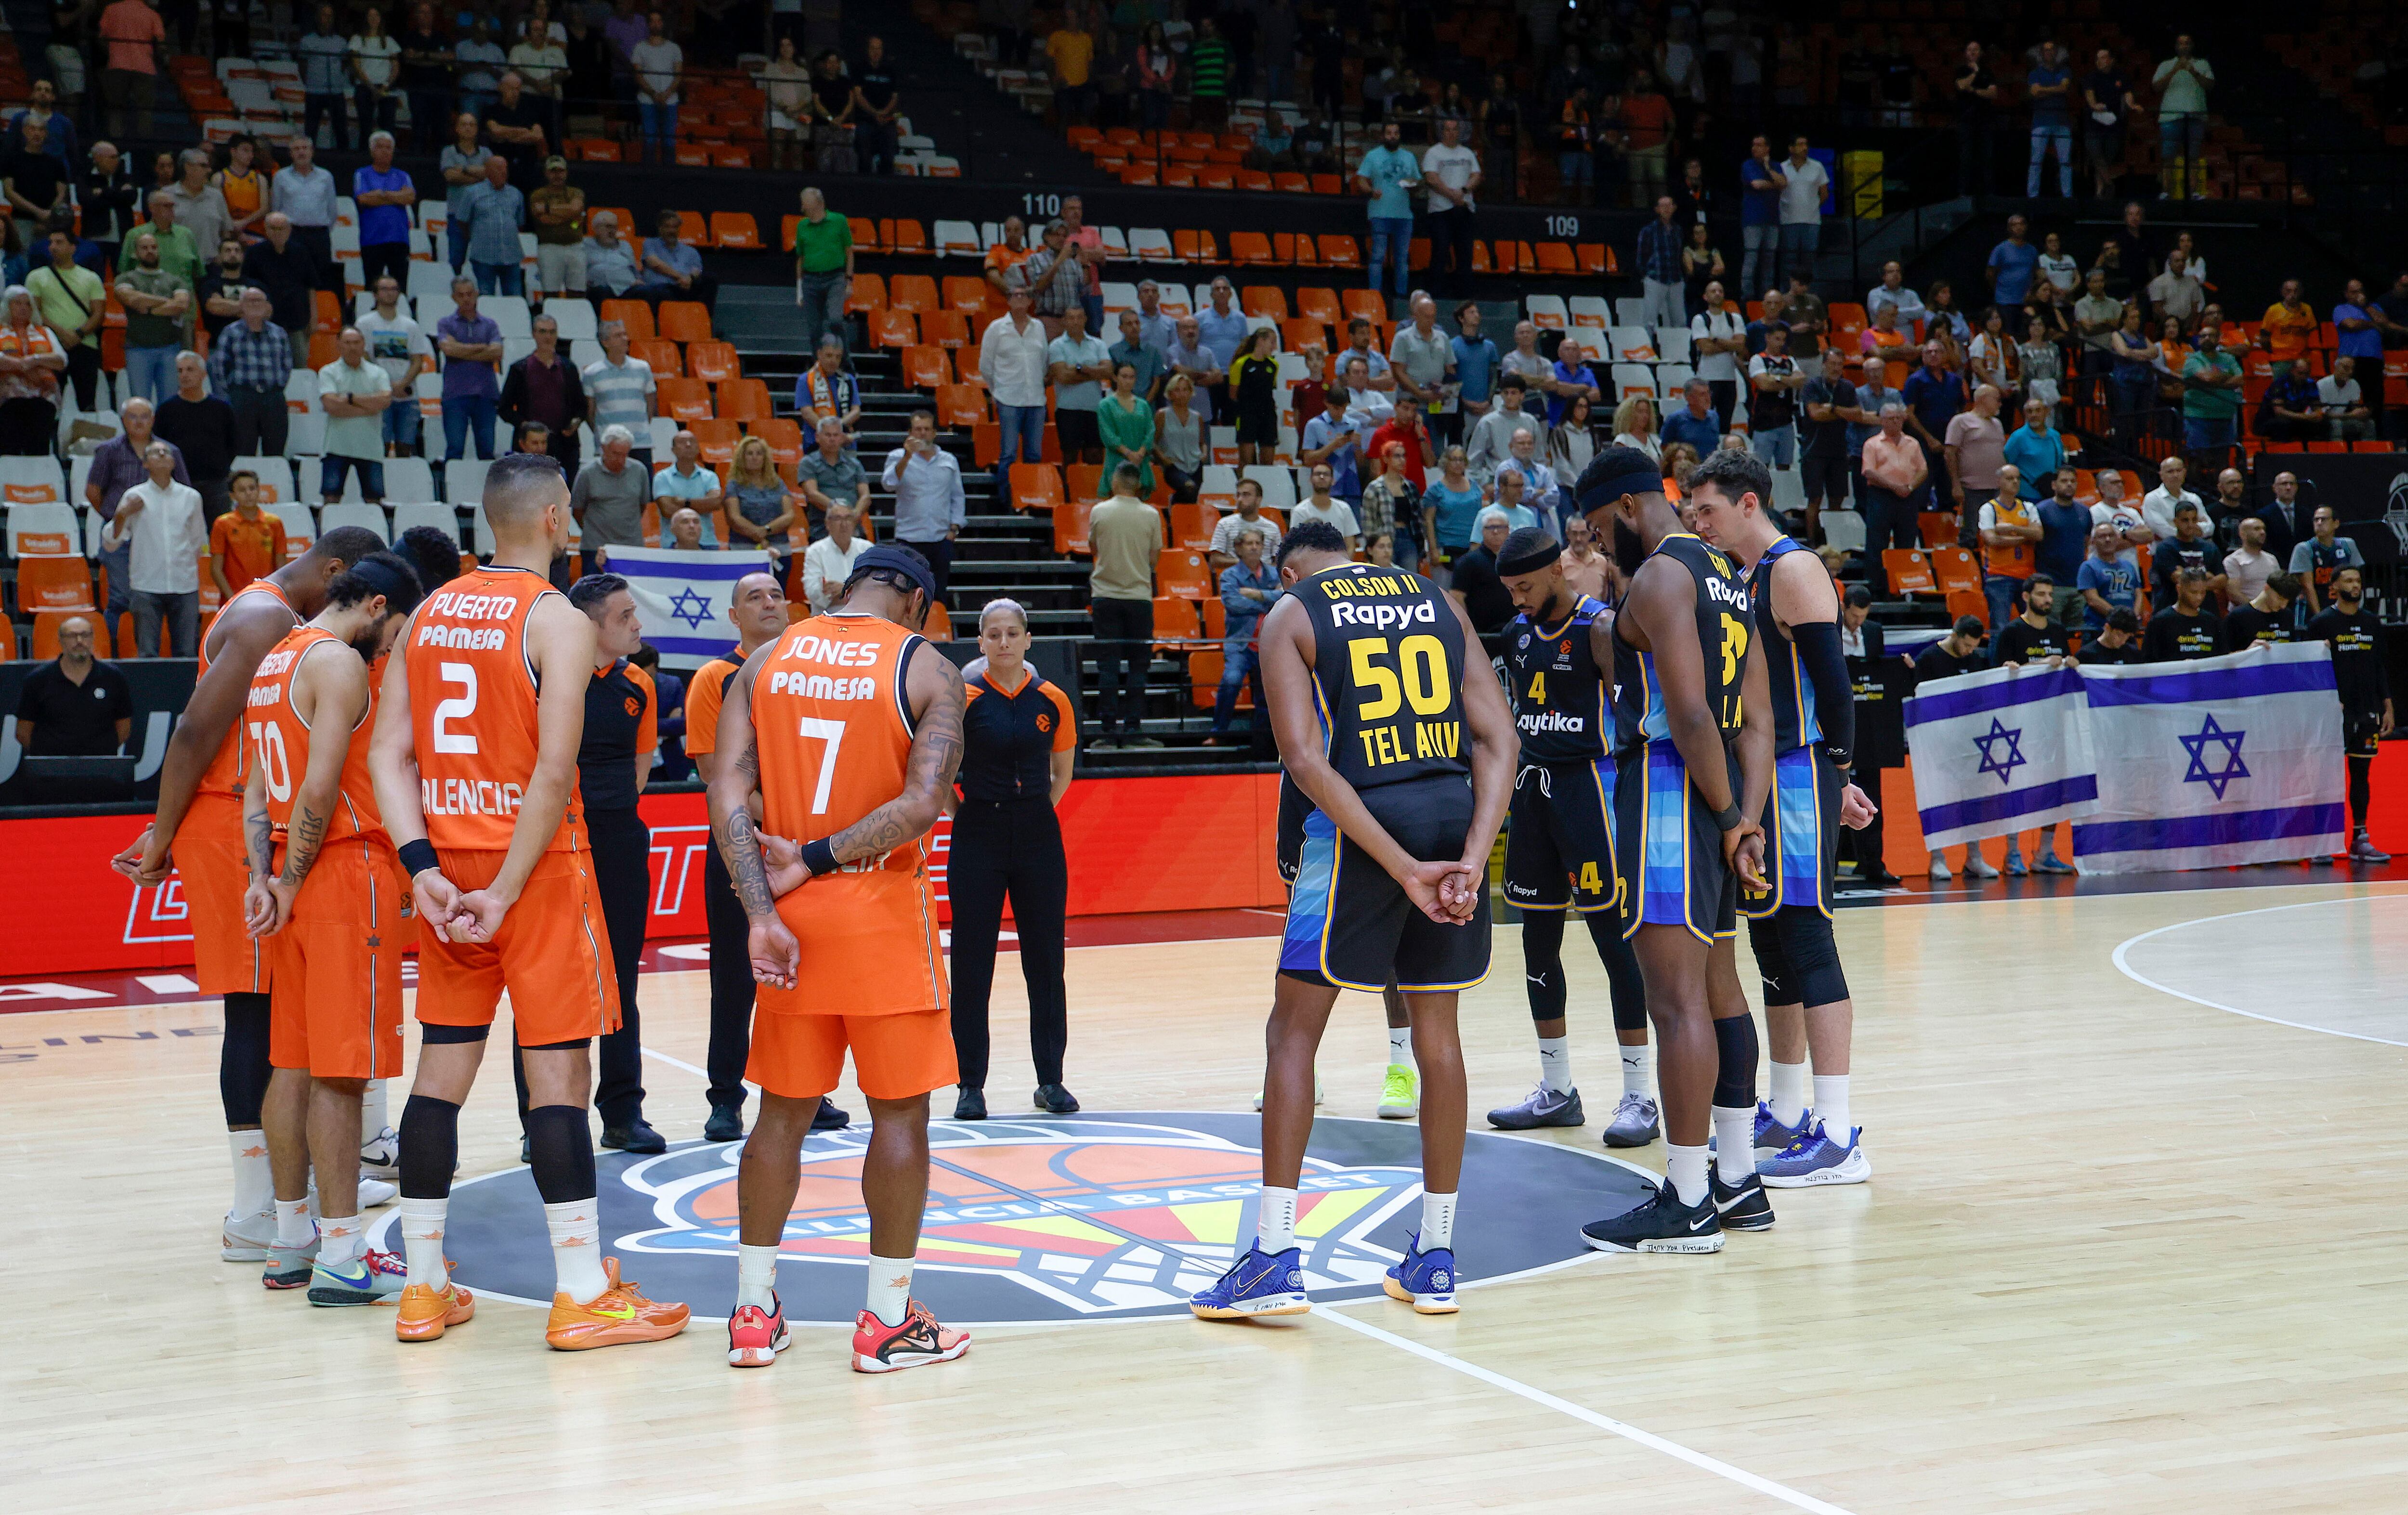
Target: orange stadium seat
{"type": "Point", "coordinates": [945, 329]}
{"type": "Point", "coordinates": [1954, 569]}
{"type": "Point", "coordinates": [1250, 248]}
{"type": "Point", "coordinates": [683, 399]}
{"type": "Point", "coordinates": [1195, 246]}
{"type": "Point", "coordinates": [1069, 524]}
{"type": "Point", "coordinates": [713, 362]}
{"type": "Point", "coordinates": [905, 238]}
{"type": "Point", "coordinates": [1936, 528]}
{"type": "Point", "coordinates": [1192, 526]}
{"type": "Point", "coordinates": [717, 440]}
{"type": "Point", "coordinates": [914, 292]}
{"type": "Point", "coordinates": [784, 438]}
{"type": "Point", "coordinates": [735, 229]}
{"type": "Point", "coordinates": [46, 633]}
{"type": "Point", "coordinates": [1181, 571]}
{"type": "Point", "coordinates": [867, 296]}
{"type": "Point", "coordinates": [961, 405]}
{"type": "Point", "coordinates": [1597, 260]}
{"type": "Point", "coordinates": [1174, 620]}
{"type": "Point", "coordinates": [743, 399]}
{"type": "Point", "coordinates": [1083, 480]}
{"type": "Point", "coordinates": [894, 328]}
{"type": "Point", "coordinates": [1295, 333]}
{"type": "Point", "coordinates": [1370, 305]}
{"type": "Point", "coordinates": [1254, 179]}
{"type": "Point", "coordinates": [685, 320]}
{"type": "Point", "coordinates": [1339, 251]}
{"type": "Point", "coordinates": [924, 367]}
{"type": "Point", "coordinates": [1263, 300]}
{"type": "Point", "coordinates": [665, 356]}
{"type": "Point", "coordinates": [1036, 486]}
{"type": "Point", "coordinates": [1556, 258]}
{"type": "Point", "coordinates": [51, 581]}
{"type": "Point", "coordinates": [965, 292]}
{"type": "Point", "coordinates": [1321, 305]}
{"type": "Point", "coordinates": [1216, 176]}
{"type": "Point", "coordinates": [1908, 571]}
{"type": "Point", "coordinates": [1292, 183]}
{"type": "Point", "coordinates": [633, 314]}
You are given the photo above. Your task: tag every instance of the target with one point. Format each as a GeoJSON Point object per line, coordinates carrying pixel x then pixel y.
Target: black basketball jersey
{"type": "Point", "coordinates": [1560, 692]}
{"type": "Point", "coordinates": [1388, 672]}
{"type": "Point", "coordinates": [1794, 722]}
{"type": "Point", "coordinates": [1724, 625]}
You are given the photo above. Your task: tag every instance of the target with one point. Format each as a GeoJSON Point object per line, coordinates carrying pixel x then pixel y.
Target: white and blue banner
{"type": "Point", "coordinates": [682, 598]}
{"type": "Point", "coordinates": [2004, 751]}
{"type": "Point", "coordinates": [2229, 760]}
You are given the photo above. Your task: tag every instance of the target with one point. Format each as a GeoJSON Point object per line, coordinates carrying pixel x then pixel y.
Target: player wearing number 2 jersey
{"type": "Point", "coordinates": [1693, 754]}
{"type": "Point", "coordinates": [849, 727]}
{"type": "Point", "coordinates": [475, 761]}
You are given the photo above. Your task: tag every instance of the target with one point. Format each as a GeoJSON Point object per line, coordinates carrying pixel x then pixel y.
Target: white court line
{"type": "Point", "coordinates": [1580, 1412]}
{"type": "Point", "coordinates": [2126, 968]}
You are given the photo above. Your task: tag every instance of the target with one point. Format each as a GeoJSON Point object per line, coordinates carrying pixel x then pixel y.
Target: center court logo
{"type": "Point", "coordinates": [1091, 1217]}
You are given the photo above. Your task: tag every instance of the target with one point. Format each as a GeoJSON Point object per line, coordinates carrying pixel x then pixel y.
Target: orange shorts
{"type": "Point", "coordinates": [893, 1056]}
{"type": "Point", "coordinates": [209, 857]}
{"type": "Point", "coordinates": [334, 1010]}
{"type": "Point", "coordinates": [884, 921]}
{"type": "Point", "coordinates": [553, 954]}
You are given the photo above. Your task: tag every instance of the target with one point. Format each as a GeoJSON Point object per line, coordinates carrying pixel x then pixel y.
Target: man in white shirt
{"type": "Point", "coordinates": [1013, 362]}
{"type": "Point", "coordinates": [402, 351]}
{"type": "Point", "coordinates": [620, 391]}
{"type": "Point", "coordinates": [2176, 293]}
{"type": "Point", "coordinates": [355, 393]}
{"type": "Point", "coordinates": [2247, 568]}
{"type": "Point", "coordinates": [1802, 183]}
{"type": "Point", "coordinates": [1492, 436]}
{"type": "Point", "coordinates": [2113, 510]}
{"type": "Point", "coordinates": [162, 521]}
{"type": "Point", "coordinates": [1892, 289]}
{"type": "Point", "coordinates": [1321, 506]}
{"type": "Point", "coordinates": [1718, 346]}
{"type": "Point", "coordinates": [1452, 171]}
{"type": "Point", "coordinates": [929, 509]}
{"type": "Point", "coordinates": [2159, 505]}
{"type": "Point", "coordinates": [1248, 517]}
{"type": "Point", "coordinates": [1538, 479]}
{"type": "Point", "coordinates": [828, 562]}
{"type": "Point", "coordinates": [1370, 407]}
{"type": "Point", "coordinates": [2344, 403]}
{"type": "Point", "coordinates": [1078, 364]}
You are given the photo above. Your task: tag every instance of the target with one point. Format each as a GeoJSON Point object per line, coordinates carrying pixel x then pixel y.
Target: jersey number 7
{"type": "Point", "coordinates": [832, 732]}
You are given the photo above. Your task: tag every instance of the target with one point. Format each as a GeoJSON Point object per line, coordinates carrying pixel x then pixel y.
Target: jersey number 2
{"type": "Point", "coordinates": [832, 732]}
{"type": "Point", "coordinates": [446, 739]}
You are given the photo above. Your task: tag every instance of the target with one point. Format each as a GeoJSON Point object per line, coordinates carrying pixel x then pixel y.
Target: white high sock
{"type": "Point", "coordinates": [254, 1186]}
{"type": "Point", "coordinates": [1400, 1045]}
{"type": "Point", "coordinates": [576, 1230]}
{"type": "Point", "coordinates": [1686, 1167]}
{"type": "Point", "coordinates": [756, 1276]}
{"type": "Point", "coordinates": [292, 1223]}
{"type": "Point", "coordinates": [1735, 1142]}
{"type": "Point", "coordinates": [890, 1288]}
{"type": "Point", "coordinates": [1438, 1222]}
{"type": "Point", "coordinates": [1789, 1099]}
{"type": "Point", "coordinates": [1555, 1065]}
{"type": "Point", "coordinates": [372, 1119]}
{"type": "Point", "coordinates": [422, 1241]}
{"type": "Point", "coordinates": [1275, 1227]}
{"type": "Point", "coordinates": [341, 1240]}
{"type": "Point", "coordinates": [1639, 1070]}
{"type": "Point", "coordinates": [1832, 1105]}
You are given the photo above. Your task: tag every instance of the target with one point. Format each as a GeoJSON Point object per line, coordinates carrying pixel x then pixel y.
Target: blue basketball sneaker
{"type": "Point", "coordinates": [1258, 1283]}
{"type": "Point", "coordinates": [1424, 1279]}
{"type": "Point", "coordinates": [1815, 1159]}
{"type": "Point", "coordinates": [1772, 1138]}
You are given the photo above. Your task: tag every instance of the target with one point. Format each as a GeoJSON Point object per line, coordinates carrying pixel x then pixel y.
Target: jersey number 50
{"type": "Point", "coordinates": [1424, 682]}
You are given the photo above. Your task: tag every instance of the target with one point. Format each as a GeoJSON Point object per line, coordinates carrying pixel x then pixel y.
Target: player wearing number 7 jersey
{"type": "Point", "coordinates": [475, 762]}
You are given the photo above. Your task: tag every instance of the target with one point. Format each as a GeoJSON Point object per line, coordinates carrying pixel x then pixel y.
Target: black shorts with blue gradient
{"type": "Point", "coordinates": [1559, 838]}
{"type": "Point", "coordinates": [1351, 926]}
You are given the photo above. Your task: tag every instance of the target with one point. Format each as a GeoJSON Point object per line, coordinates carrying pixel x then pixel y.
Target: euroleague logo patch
{"type": "Point", "coordinates": [1088, 1217]}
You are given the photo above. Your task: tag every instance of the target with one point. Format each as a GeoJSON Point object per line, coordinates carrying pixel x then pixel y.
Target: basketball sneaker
{"type": "Point", "coordinates": [288, 1267]}
{"type": "Point", "coordinates": [372, 1192]}
{"type": "Point", "coordinates": [1743, 1206]}
{"type": "Point", "coordinates": [1772, 1138]}
{"type": "Point", "coordinates": [2362, 849]}
{"type": "Point", "coordinates": [1635, 1123]}
{"type": "Point", "coordinates": [618, 1314]}
{"type": "Point", "coordinates": [376, 1279]}
{"type": "Point", "coordinates": [245, 1238]}
{"type": "Point", "coordinates": [1424, 1279]}
{"type": "Point", "coordinates": [755, 1336]}
{"type": "Point", "coordinates": [1978, 866]}
{"type": "Point", "coordinates": [1316, 1091]}
{"type": "Point", "coordinates": [1814, 1159]}
{"type": "Point", "coordinates": [381, 1155]}
{"type": "Point", "coordinates": [1400, 1092]}
{"type": "Point", "coordinates": [1544, 1107]}
{"type": "Point", "coordinates": [1258, 1283]}
{"type": "Point", "coordinates": [880, 1347]}
{"type": "Point", "coordinates": [1662, 1224]}
{"type": "Point", "coordinates": [426, 1313]}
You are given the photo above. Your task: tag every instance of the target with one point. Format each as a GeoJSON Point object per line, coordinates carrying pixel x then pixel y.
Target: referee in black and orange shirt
{"type": "Point", "coordinates": [1019, 737]}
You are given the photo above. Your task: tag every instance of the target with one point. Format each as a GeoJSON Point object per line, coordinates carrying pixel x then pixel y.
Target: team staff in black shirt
{"type": "Point", "coordinates": [2365, 696]}
{"type": "Point", "coordinates": [2184, 630]}
{"type": "Point", "coordinates": [2266, 619]}
{"type": "Point", "coordinates": [75, 706]}
{"type": "Point", "coordinates": [2032, 636]}
{"type": "Point", "coordinates": [2115, 644]}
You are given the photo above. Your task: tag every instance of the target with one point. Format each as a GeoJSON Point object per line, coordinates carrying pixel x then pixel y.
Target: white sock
{"type": "Point", "coordinates": [1555, 1065]}
{"type": "Point", "coordinates": [756, 1276]}
{"type": "Point", "coordinates": [576, 1230]}
{"type": "Point", "coordinates": [292, 1223]}
{"type": "Point", "coordinates": [1686, 1168]}
{"type": "Point", "coordinates": [1400, 1045]}
{"type": "Point", "coordinates": [1275, 1227]}
{"type": "Point", "coordinates": [890, 1288]}
{"type": "Point", "coordinates": [1788, 1093]}
{"type": "Point", "coordinates": [1639, 1070]}
{"type": "Point", "coordinates": [341, 1240]}
{"type": "Point", "coordinates": [254, 1186]}
{"type": "Point", "coordinates": [372, 1119]}
{"type": "Point", "coordinates": [1832, 1105]}
{"type": "Point", "coordinates": [1735, 1141]}
{"type": "Point", "coordinates": [1438, 1222]}
{"type": "Point", "coordinates": [422, 1241]}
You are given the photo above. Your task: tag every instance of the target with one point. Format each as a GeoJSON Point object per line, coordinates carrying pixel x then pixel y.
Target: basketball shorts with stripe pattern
{"type": "Point", "coordinates": [226, 959]}
{"type": "Point", "coordinates": [335, 1004]}
{"type": "Point", "coordinates": [1801, 834]}
{"type": "Point", "coordinates": [1350, 925]}
{"type": "Point", "coordinates": [1670, 851]}
{"type": "Point", "coordinates": [1559, 838]}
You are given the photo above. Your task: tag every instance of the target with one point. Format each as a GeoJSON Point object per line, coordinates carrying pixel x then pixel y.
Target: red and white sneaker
{"type": "Point", "coordinates": [880, 1347]}
{"type": "Point", "coordinates": [755, 1336]}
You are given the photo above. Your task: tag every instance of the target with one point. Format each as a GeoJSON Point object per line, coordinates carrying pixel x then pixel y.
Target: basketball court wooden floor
{"type": "Point", "coordinates": [2134, 1243]}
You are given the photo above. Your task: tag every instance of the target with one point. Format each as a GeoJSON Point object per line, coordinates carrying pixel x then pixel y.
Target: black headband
{"type": "Point", "coordinates": [1640, 479]}
{"type": "Point", "coordinates": [1531, 562]}
{"type": "Point", "coordinates": [386, 580]}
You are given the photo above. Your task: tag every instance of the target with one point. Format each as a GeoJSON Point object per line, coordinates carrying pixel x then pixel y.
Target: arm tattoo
{"type": "Point", "coordinates": [309, 829]}
{"type": "Point", "coordinates": [262, 838]}
{"type": "Point", "coordinates": [936, 755]}
{"type": "Point", "coordinates": [739, 847]}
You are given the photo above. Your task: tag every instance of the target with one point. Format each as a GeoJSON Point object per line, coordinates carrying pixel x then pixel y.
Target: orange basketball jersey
{"type": "Point", "coordinates": [472, 703]}
{"type": "Point", "coordinates": [279, 739]}
{"type": "Point", "coordinates": [227, 773]}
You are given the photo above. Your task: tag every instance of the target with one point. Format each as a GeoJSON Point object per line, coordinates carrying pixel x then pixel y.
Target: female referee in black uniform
{"type": "Point", "coordinates": [1018, 739]}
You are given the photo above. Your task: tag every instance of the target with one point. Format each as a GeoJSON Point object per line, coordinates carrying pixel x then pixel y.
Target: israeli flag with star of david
{"type": "Point", "coordinates": [2006, 749]}
{"type": "Point", "coordinates": [682, 598]}
{"type": "Point", "coordinates": [2206, 765]}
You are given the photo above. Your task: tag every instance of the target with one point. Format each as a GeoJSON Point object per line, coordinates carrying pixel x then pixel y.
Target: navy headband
{"type": "Point", "coordinates": [1532, 561]}
{"type": "Point", "coordinates": [896, 560]}
{"type": "Point", "coordinates": [1595, 495]}
{"type": "Point", "coordinates": [386, 580]}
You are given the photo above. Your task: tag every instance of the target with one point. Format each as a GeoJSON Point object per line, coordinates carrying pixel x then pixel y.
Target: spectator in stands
{"type": "Point", "coordinates": [1421, 358]}
{"type": "Point", "coordinates": [1070, 48]}
{"type": "Point", "coordinates": [1476, 586]}
{"type": "Point", "coordinates": [383, 194]}
{"type": "Point", "coordinates": [1077, 366]}
{"type": "Point", "coordinates": [929, 510]}
{"type": "Point", "coordinates": [609, 497]}
{"type": "Point", "coordinates": [1697, 423]}
{"type": "Point", "coordinates": [2289, 328]}
{"type": "Point", "coordinates": [1055, 277]}
{"type": "Point", "coordinates": [1155, 327]}
{"type": "Point", "coordinates": [1804, 182]}
{"type": "Point", "coordinates": [2009, 531]}
{"type": "Point", "coordinates": [2249, 567]}
{"type": "Point", "coordinates": [2116, 642]}
{"type": "Point", "coordinates": [1154, 69]}
{"type": "Point", "coordinates": [1774, 381]}
{"type": "Point", "coordinates": [1224, 327]}
{"type": "Point", "coordinates": [1179, 438]}
{"type": "Point", "coordinates": [1536, 487]}
{"type": "Point", "coordinates": [1147, 361]}
{"type": "Point", "coordinates": [2036, 449]}
{"type": "Point", "coordinates": [1127, 534]}
{"type": "Point", "coordinates": [1209, 69]}
{"type": "Point", "coordinates": [822, 264]}
{"type": "Point", "coordinates": [305, 194]}
{"type": "Point", "coordinates": [1806, 315]}
{"type": "Point", "coordinates": [659, 64]}
{"type": "Point", "coordinates": [1571, 442]}
{"type": "Point", "coordinates": [1008, 253]}
{"type": "Point", "coordinates": [1248, 585]}
{"type": "Point", "coordinates": [1702, 263]}
{"type": "Point", "coordinates": [1892, 291]}
{"type": "Point", "coordinates": [832, 477]}
{"type": "Point", "coordinates": [1534, 369]}
{"type": "Point", "coordinates": [282, 266]}
{"type": "Point", "coordinates": [875, 104]}
{"type": "Point", "coordinates": [2065, 526]}
{"type": "Point", "coordinates": [427, 76]}
{"type": "Point", "coordinates": [1125, 423]}
{"type": "Point", "coordinates": [157, 302]}
{"type": "Point", "coordinates": [1894, 468]}
{"type": "Point", "coordinates": [2290, 410]}
{"type": "Point", "coordinates": [690, 483]}
{"type": "Point", "coordinates": [556, 213]}
{"type": "Point", "coordinates": [2344, 403]}
{"type": "Point", "coordinates": [827, 562]}
{"type": "Point", "coordinates": [36, 181]}
{"type": "Point", "coordinates": [1387, 176]}
{"type": "Point", "coordinates": [354, 392]}
{"type": "Point", "coordinates": [1336, 438]}
{"type": "Point", "coordinates": [619, 391]}
{"type": "Point", "coordinates": [1975, 449]}
{"type": "Point", "coordinates": [71, 301]}
{"type": "Point", "coordinates": [1451, 509]}
{"type": "Point", "coordinates": [199, 424]}
{"type": "Point", "coordinates": [2184, 629]}
{"type": "Point", "coordinates": [1189, 357]}
{"type": "Point", "coordinates": [1474, 358]}
{"type": "Point", "coordinates": [2232, 503]}
{"type": "Point", "coordinates": [1772, 307]}
{"type": "Point", "coordinates": [1760, 216]}
{"type": "Point", "coordinates": [106, 196]}
{"type": "Point", "coordinates": [1934, 397]}
{"type": "Point", "coordinates": [1826, 401]}
{"type": "Point", "coordinates": [1977, 102]}
{"type": "Point", "coordinates": [471, 344]}
{"type": "Point", "coordinates": [1247, 517]}
{"type": "Point", "coordinates": [221, 288]}
{"type": "Point", "coordinates": [325, 66]}
{"type": "Point", "coordinates": [1572, 380]}
{"type": "Point", "coordinates": [1718, 343]}
{"type": "Point", "coordinates": [1408, 426]}
{"type": "Point", "coordinates": [1659, 262]}
{"type": "Point", "coordinates": [1945, 323]}
{"type": "Point", "coordinates": [2265, 615]}
{"type": "Point", "coordinates": [480, 59]}
{"type": "Point", "coordinates": [832, 136]}
{"type": "Point", "coordinates": [116, 466]}
{"type": "Point", "coordinates": [2211, 399]}
{"type": "Point", "coordinates": [2112, 107]}
{"type": "Point", "coordinates": [544, 387]}
{"type": "Point", "coordinates": [2176, 294]}
{"type": "Point", "coordinates": [1323, 505]}
{"type": "Point", "coordinates": [250, 362]}
{"type": "Point", "coordinates": [160, 522]}
{"type": "Point", "coordinates": [2016, 262]}
{"type": "Point", "coordinates": [2183, 82]}
{"type": "Point", "coordinates": [2191, 547]}
{"type": "Point", "coordinates": [246, 543]}
{"type": "Point", "coordinates": [2317, 559]}
{"type": "Point", "coordinates": [761, 509]}
{"type": "Point", "coordinates": [1014, 361]}
{"type": "Point", "coordinates": [673, 268]}
{"type": "Point", "coordinates": [827, 389]}
{"type": "Point", "coordinates": [58, 138]}
{"type": "Point", "coordinates": [1086, 244]}
{"type": "Point", "coordinates": [371, 56]}
{"type": "Point", "coordinates": [490, 214]}
{"type": "Point", "coordinates": [2049, 86]}
{"type": "Point", "coordinates": [30, 361]}
{"type": "Point", "coordinates": [1452, 171]}
{"type": "Point", "coordinates": [1370, 406]}
{"type": "Point", "coordinates": [1634, 426]}
{"type": "Point", "coordinates": [2108, 582]}
{"type": "Point", "coordinates": [788, 85]}
{"type": "Point", "coordinates": [1392, 506]}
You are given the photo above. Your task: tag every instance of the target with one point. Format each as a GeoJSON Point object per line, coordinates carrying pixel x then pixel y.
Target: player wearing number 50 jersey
{"type": "Point", "coordinates": [1389, 724]}
{"type": "Point", "coordinates": [475, 761]}
{"type": "Point", "coordinates": [849, 728]}
{"type": "Point", "coordinates": [1694, 763]}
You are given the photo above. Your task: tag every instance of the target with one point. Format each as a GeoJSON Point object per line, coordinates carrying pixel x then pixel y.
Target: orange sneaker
{"type": "Point", "coordinates": [619, 1313]}
{"type": "Point", "coordinates": [880, 1347]}
{"type": "Point", "coordinates": [426, 1313]}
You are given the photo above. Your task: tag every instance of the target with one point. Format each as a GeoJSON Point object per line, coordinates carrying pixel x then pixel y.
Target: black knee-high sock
{"type": "Point", "coordinates": [242, 1059]}
{"type": "Point", "coordinates": [560, 1142]}
{"type": "Point", "coordinates": [430, 1146]}
{"type": "Point", "coordinates": [1622, 978]}
{"type": "Point", "coordinates": [2361, 795]}
{"type": "Point", "coordinates": [1542, 962]}
{"type": "Point", "coordinates": [1734, 1074]}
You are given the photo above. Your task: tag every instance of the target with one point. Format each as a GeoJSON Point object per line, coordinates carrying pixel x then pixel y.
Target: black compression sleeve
{"type": "Point", "coordinates": [1826, 668]}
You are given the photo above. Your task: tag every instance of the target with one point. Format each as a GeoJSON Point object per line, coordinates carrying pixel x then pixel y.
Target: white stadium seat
{"type": "Point", "coordinates": [347, 514]}
{"type": "Point", "coordinates": [276, 483]}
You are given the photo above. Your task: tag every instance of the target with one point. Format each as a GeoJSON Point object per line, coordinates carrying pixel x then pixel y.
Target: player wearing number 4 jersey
{"type": "Point", "coordinates": [475, 762]}
{"type": "Point", "coordinates": [849, 729]}
{"type": "Point", "coordinates": [1409, 763]}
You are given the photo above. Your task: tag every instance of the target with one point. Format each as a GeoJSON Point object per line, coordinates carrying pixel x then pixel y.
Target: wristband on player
{"type": "Point", "coordinates": [1728, 816]}
{"type": "Point", "coordinates": [819, 857]}
{"type": "Point", "coordinates": [419, 856]}
{"type": "Point", "coordinates": [1840, 757]}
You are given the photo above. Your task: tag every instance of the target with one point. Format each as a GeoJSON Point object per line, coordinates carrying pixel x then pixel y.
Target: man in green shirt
{"type": "Point", "coordinates": [823, 265]}
{"type": "Point", "coordinates": [179, 253]}
{"type": "Point", "coordinates": [157, 305]}
{"type": "Point", "coordinates": [2211, 401]}
{"type": "Point", "coordinates": [72, 304]}
{"type": "Point", "coordinates": [1208, 77]}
